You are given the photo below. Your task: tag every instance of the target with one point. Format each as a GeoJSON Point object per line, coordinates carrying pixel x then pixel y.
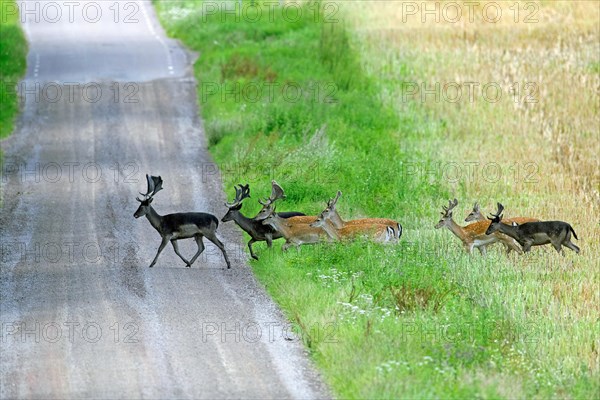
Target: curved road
{"type": "Point", "coordinates": [108, 98]}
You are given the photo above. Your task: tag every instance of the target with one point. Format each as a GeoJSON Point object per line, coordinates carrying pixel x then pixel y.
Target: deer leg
{"type": "Point", "coordinates": [482, 250]}
{"type": "Point", "coordinates": [269, 239]}
{"type": "Point", "coordinates": [250, 247]}
{"type": "Point", "coordinates": [200, 244]}
{"type": "Point", "coordinates": [558, 247]}
{"type": "Point", "coordinates": [164, 242]}
{"type": "Point", "coordinates": [286, 246]}
{"type": "Point", "coordinates": [526, 247]}
{"type": "Point", "coordinates": [176, 248]}
{"type": "Point", "coordinates": [469, 248]}
{"type": "Point", "coordinates": [572, 246]}
{"type": "Point", "coordinates": [512, 245]}
{"type": "Point", "coordinates": [213, 238]}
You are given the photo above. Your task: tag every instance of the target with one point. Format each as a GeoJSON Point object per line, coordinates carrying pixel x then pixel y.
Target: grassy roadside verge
{"type": "Point", "coordinates": [407, 321]}
{"type": "Point", "coordinates": [13, 58]}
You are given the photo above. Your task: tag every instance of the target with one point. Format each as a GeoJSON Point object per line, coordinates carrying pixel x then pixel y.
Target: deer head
{"type": "Point", "coordinates": [241, 192]}
{"type": "Point", "coordinates": [321, 219]}
{"type": "Point", "coordinates": [475, 214]}
{"type": "Point", "coordinates": [496, 218]}
{"type": "Point", "coordinates": [447, 213]}
{"type": "Point", "coordinates": [154, 186]}
{"type": "Point", "coordinates": [266, 214]}
{"type": "Point", "coordinates": [276, 194]}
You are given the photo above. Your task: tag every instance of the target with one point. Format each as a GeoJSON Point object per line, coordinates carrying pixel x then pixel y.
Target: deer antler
{"type": "Point", "coordinates": [276, 194]}
{"type": "Point", "coordinates": [276, 191]}
{"type": "Point", "coordinates": [241, 192]}
{"type": "Point", "coordinates": [236, 200]}
{"type": "Point", "coordinates": [500, 209]}
{"type": "Point", "coordinates": [245, 191]}
{"type": "Point", "coordinates": [332, 202]}
{"type": "Point", "coordinates": [448, 210]}
{"type": "Point", "coordinates": [157, 181]}
{"type": "Point", "coordinates": [154, 186]}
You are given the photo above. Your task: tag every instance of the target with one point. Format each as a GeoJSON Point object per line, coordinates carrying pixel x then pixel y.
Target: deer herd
{"type": "Point", "coordinates": [518, 234]}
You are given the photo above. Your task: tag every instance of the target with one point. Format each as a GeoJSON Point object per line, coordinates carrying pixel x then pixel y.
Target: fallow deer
{"type": "Point", "coordinates": [473, 235]}
{"type": "Point", "coordinates": [558, 233]}
{"type": "Point", "coordinates": [477, 215]}
{"type": "Point", "coordinates": [376, 232]}
{"type": "Point", "coordinates": [257, 231]}
{"type": "Point", "coordinates": [277, 193]}
{"type": "Point", "coordinates": [173, 227]}
{"type": "Point", "coordinates": [296, 230]}
{"type": "Point", "coordinates": [339, 223]}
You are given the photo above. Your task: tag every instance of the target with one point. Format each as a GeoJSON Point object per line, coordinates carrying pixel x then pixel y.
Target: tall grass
{"type": "Point", "coordinates": [13, 55]}
{"type": "Point", "coordinates": [420, 319]}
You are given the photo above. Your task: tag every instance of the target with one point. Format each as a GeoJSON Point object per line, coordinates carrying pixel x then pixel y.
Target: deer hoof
{"type": "Point", "coordinates": [255, 257]}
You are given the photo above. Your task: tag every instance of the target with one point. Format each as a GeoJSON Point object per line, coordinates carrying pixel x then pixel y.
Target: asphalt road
{"type": "Point", "coordinates": [108, 98]}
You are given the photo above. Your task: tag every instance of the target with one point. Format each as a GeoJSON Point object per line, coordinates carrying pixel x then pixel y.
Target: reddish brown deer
{"type": "Point", "coordinates": [376, 232]}
{"type": "Point", "coordinates": [339, 223]}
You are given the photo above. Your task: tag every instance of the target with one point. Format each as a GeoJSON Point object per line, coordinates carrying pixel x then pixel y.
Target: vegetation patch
{"type": "Point", "coordinates": [296, 101]}
{"type": "Point", "coordinates": [13, 63]}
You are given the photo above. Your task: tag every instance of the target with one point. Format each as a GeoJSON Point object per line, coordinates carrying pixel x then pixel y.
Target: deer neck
{"type": "Point", "coordinates": [509, 230]}
{"type": "Point", "coordinates": [336, 220]}
{"type": "Point", "coordinates": [154, 218]}
{"type": "Point", "coordinates": [457, 230]}
{"type": "Point", "coordinates": [277, 223]}
{"type": "Point", "coordinates": [330, 229]}
{"type": "Point", "coordinates": [242, 221]}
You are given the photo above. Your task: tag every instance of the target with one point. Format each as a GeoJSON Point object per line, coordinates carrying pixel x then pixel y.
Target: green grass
{"type": "Point", "coordinates": [13, 55]}
{"type": "Point", "coordinates": [420, 319]}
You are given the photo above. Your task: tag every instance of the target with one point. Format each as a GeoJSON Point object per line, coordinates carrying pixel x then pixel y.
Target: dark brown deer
{"type": "Point", "coordinates": [558, 233]}
{"type": "Point", "coordinates": [257, 231]}
{"type": "Point", "coordinates": [173, 227]}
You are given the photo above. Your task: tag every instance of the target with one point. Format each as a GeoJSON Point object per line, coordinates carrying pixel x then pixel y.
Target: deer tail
{"type": "Point", "coordinates": [573, 232]}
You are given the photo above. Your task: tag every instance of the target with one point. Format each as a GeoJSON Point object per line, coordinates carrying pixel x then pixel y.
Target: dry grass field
{"type": "Point", "coordinates": [516, 120]}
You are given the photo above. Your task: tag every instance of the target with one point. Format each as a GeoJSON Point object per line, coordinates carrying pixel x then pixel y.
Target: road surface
{"type": "Point", "coordinates": [108, 98]}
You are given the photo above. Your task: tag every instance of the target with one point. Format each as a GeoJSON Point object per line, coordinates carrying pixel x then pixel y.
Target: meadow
{"type": "Point", "coordinates": [13, 59]}
{"type": "Point", "coordinates": [324, 99]}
